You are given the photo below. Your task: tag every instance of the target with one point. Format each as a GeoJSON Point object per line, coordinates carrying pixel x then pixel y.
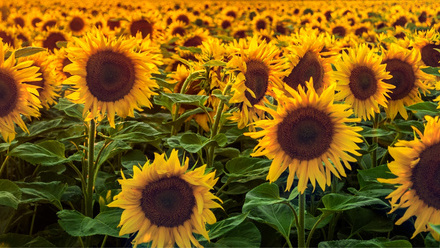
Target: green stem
{"type": "Point", "coordinates": [289, 243]}
{"type": "Point", "coordinates": [331, 229]}
{"type": "Point", "coordinates": [183, 90]}
{"type": "Point", "coordinates": [301, 220]}
{"type": "Point", "coordinates": [103, 241]}
{"type": "Point", "coordinates": [3, 167]}
{"type": "Point", "coordinates": [294, 213]}
{"type": "Point", "coordinates": [375, 139]}
{"type": "Point", "coordinates": [309, 237]}
{"type": "Point", "coordinates": [81, 242]}
{"type": "Point", "coordinates": [91, 170]}
{"type": "Point", "coordinates": [223, 187]}
{"type": "Point", "coordinates": [33, 219]}
{"type": "Point", "coordinates": [215, 126]}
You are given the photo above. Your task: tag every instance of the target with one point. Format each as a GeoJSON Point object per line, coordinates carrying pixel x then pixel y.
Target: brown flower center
{"type": "Point", "coordinates": [110, 75]}
{"type": "Point", "coordinates": [308, 66]}
{"type": "Point", "coordinates": [8, 94]}
{"type": "Point", "coordinates": [51, 41]}
{"type": "Point", "coordinates": [183, 18]}
{"type": "Point", "coordinates": [425, 176]}
{"type": "Point", "coordinates": [19, 21]}
{"type": "Point", "coordinates": [143, 26]}
{"type": "Point", "coordinates": [178, 30]}
{"type": "Point", "coordinates": [363, 83]}
{"type": "Point", "coordinates": [49, 24]}
{"type": "Point", "coordinates": [193, 41]}
{"type": "Point", "coordinates": [77, 24]}
{"type": "Point", "coordinates": [261, 24]}
{"type": "Point", "coordinates": [257, 80]}
{"type": "Point", "coordinates": [430, 56]}
{"type": "Point", "coordinates": [305, 133]}
{"type": "Point", "coordinates": [339, 31]}
{"type": "Point", "coordinates": [168, 202]}
{"type": "Point", "coordinates": [7, 38]}
{"type": "Point", "coordinates": [403, 78]}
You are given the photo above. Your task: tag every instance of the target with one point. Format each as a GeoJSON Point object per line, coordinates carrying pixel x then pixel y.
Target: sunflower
{"type": "Point", "coordinates": [164, 203]}
{"type": "Point", "coordinates": [77, 23]}
{"type": "Point", "coordinates": [306, 61]}
{"type": "Point", "coordinates": [7, 35]}
{"type": "Point", "coordinates": [146, 24]}
{"type": "Point", "coordinates": [417, 165]}
{"type": "Point", "coordinates": [177, 28]}
{"type": "Point", "coordinates": [258, 68]}
{"type": "Point", "coordinates": [48, 85]}
{"type": "Point", "coordinates": [109, 76]}
{"type": "Point", "coordinates": [426, 42]}
{"type": "Point", "coordinates": [409, 80]}
{"type": "Point", "coordinates": [260, 22]}
{"type": "Point", "coordinates": [16, 98]}
{"type": "Point", "coordinates": [360, 81]}
{"type": "Point", "coordinates": [307, 131]}
{"type": "Point", "coordinates": [49, 39]}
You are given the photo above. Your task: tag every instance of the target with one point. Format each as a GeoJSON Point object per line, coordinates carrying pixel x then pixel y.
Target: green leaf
{"type": "Point", "coordinates": [137, 132]}
{"type": "Point", "coordinates": [132, 158]}
{"type": "Point", "coordinates": [430, 241]}
{"type": "Point", "coordinates": [42, 192]}
{"type": "Point", "coordinates": [214, 63]}
{"type": "Point", "coordinates": [70, 109]}
{"type": "Point", "coordinates": [264, 205]}
{"type": "Point", "coordinates": [219, 94]}
{"type": "Point", "coordinates": [244, 235]}
{"type": "Point", "coordinates": [78, 225]}
{"type": "Point", "coordinates": [39, 127]}
{"type": "Point", "coordinates": [197, 100]}
{"type": "Point", "coordinates": [222, 227]}
{"type": "Point", "coordinates": [431, 70]}
{"type": "Point", "coordinates": [21, 240]}
{"type": "Point", "coordinates": [48, 153]}
{"type": "Point", "coordinates": [427, 107]}
{"type": "Point", "coordinates": [278, 216]}
{"type": "Point", "coordinates": [375, 132]}
{"type": "Point", "coordinates": [193, 50]}
{"type": "Point", "coordinates": [436, 228]}
{"type": "Point", "coordinates": [244, 169]}
{"type": "Point", "coordinates": [265, 194]}
{"type": "Point", "coordinates": [334, 202]}
{"type": "Point", "coordinates": [192, 142]}
{"type": "Point", "coordinates": [366, 220]}
{"type": "Point", "coordinates": [28, 51]}
{"type": "Point", "coordinates": [379, 243]}
{"type": "Point", "coordinates": [114, 148]}
{"type": "Point", "coordinates": [371, 175]}
{"type": "Point", "coordinates": [10, 193]}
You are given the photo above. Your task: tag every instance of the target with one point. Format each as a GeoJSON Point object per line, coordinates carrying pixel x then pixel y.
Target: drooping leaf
{"type": "Point", "coordinates": [78, 225]}
{"type": "Point", "coordinates": [22, 240]}
{"type": "Point", "coordinates": [50, 192]}
{"type": "Point", "coordinates": [379, 243]}
{"type": "Point", "coordinates": [224, 226]}
{"type": "Point", "coordinates": [10, 193]}
{"type": "Point", "coordinates": [335, 202]}
{"type": "Point", "coordinates": [48, 153]}
{"type": "Point", "coordinates": [244, 235]}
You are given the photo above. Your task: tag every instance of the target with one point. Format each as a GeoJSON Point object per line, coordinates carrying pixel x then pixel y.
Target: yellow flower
{"type": "Point", "coordinates": [16, 98]}
{"type": "Point", "coordinates": [259, 68]}
{"type": "Point", "coordinates": [307, 134]}
{"type": "Point", "coordinates": [403, 65]}
{"type": "Point", "coordinates": [417, 165]}
{"type": "Point", "coordinates": [165, 203]}
{"type": "Point", "coordinates": [109, 77]}
{"type": "Point", "coordinates": [360, 81]}
{"type": "Point", "coordinates": [306, 61]}
{"type": "Point", "coordinates": [48, 85]}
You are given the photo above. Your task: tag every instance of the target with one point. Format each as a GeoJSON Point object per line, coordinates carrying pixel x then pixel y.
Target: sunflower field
{"type": "Point", "coordinates": [219, 123]}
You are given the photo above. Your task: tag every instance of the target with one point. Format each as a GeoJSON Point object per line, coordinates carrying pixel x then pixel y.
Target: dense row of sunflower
{"type": "Point", "coordinates": [200, 103]}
